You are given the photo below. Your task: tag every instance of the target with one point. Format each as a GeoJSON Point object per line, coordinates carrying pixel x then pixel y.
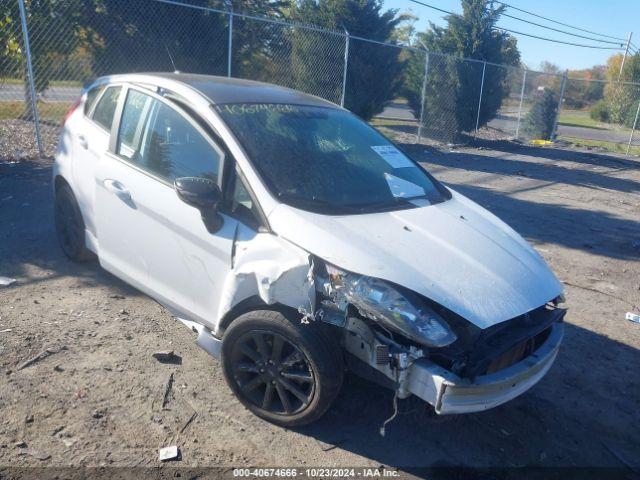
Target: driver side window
{"type": "Point", "coordinates": [161, 141]}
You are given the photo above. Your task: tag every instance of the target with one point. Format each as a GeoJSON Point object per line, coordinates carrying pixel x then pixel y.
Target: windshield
{"type": "Point", "coordinates": [327, 160]}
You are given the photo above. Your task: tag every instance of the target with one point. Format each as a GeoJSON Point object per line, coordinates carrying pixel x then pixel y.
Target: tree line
{"type": "Point", "coordinates": [83, 39]}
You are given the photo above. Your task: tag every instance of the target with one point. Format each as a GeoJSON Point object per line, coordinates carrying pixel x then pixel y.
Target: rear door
{"type": "Point", "coordinates": [146, 234]}
{"type": "Point", "coordinates": [90, 140]}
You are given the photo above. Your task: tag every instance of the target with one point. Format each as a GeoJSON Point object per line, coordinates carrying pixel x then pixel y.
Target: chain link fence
{"type": "Point", "coordinates": [426, 95]}
{"type": "Point", "coordinates": [608, 110]}
{"type": "Point", "coordinates": [290, 55]}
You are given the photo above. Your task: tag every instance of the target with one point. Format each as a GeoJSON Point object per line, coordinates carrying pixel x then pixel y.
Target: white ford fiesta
{"type": "Point", "coordinates": [298, 242]}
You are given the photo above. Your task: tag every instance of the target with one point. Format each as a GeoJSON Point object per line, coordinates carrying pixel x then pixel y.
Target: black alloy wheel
{"type": "Point", "coordinates": [272, 373]}
{"type": "Point", "coordinates": [284, 371]}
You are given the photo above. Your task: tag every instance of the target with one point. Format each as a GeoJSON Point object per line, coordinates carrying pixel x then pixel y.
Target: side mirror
{"type": "Point", "coordinates": [203, 194]}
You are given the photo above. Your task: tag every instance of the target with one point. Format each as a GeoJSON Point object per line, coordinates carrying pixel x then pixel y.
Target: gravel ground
{"type": "Point", "coordinates": [94, 397]}
{"type": "Point", "coordinates": [17, 139]}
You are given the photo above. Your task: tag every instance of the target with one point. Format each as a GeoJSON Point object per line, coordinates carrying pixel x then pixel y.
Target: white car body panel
{"type": "Point", "coordinates": [267, 266]}
{"type": "Point", "coordinates": [88, 141]}
{"type": "Point", "coordinates": [159, 244]}
{"type": "Point", "coordinates": [455, 253]}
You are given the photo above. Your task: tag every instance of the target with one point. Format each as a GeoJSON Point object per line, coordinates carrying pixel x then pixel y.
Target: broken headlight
{"type": "Point", "coordinates": [386, 304]}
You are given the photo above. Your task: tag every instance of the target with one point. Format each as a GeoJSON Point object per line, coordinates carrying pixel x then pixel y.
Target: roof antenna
{"type": "Point", "coordinates": [175, 70]}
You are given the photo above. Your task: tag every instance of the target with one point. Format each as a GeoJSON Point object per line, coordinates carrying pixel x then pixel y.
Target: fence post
{"type": "Point", "coordinates": [555, 122]}
{"type": "Point", "coordinates": [484, 67]}
{"type": "Point", "coordinates": [230, 42]}
{"type": "Point", "coordinates": [633, 129]}
{"type": "Point", "coordinates": [344, 70]}
{"type": "Point", "coordinates": [30, 79]}
{"type": "Point", "coordinates": [424, 90]}
{"type": "Point", "coordinates": [524, 82]}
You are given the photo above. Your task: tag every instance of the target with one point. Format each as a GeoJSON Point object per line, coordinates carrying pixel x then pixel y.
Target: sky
{"type": "Point", "coordinates": [610, 17]}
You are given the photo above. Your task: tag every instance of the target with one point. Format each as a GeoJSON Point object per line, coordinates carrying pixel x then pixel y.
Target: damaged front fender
{"type": "Point", "coordinates": [271, 268]}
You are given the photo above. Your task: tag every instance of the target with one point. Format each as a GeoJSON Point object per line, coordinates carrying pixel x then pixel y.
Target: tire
{"type": "Point", "coordinates": [290, 387]}
{"type": "Point", "coordinates": [70, 228]}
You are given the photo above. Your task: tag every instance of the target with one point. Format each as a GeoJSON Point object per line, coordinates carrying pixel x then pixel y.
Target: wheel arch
{"type": "Point", "coordinates": [59, 181]}
{"type": "Point", "coordinates": [249, 304]}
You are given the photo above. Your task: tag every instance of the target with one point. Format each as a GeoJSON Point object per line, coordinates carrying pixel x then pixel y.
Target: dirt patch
{"type": "Point", "coordinates": [96, 398]}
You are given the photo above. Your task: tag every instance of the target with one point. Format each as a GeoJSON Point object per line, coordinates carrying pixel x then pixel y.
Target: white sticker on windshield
{"type": "Point", "coordinates": [392, 156]}
{"type": "Point", "coordinates": [401, 188]}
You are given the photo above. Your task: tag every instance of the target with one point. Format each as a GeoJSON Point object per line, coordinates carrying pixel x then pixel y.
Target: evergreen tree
{"type": "Point", "coordinates": [453, 85]}
{"type": "Point", "coordinates": [374, 71]}
{"type": "Point", "coordinates": [538, 124]}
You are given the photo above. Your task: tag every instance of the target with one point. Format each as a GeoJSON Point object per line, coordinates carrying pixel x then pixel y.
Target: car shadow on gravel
{"type": "Point", "coordinates": [560, 154]}
{"type": "Point", "coordinates": [575, 417]}
{"type": "Point", "coordinates": [514, 147]}
{"type": "Point", "coordinates": [28, 239]}
{"type": "Point", "coordinates": [596, 231]}
{"type": "Point", "coordinates": [552, 170]}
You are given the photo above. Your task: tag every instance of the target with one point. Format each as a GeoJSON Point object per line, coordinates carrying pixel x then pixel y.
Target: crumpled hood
{"type": "Point", "coordinates": [456, 253]}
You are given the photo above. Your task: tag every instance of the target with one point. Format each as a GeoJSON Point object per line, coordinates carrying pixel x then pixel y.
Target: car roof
{"type": "Point", "coordinates": [220, 90]}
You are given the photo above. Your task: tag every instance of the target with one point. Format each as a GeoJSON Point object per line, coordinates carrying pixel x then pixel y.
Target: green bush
{"type": "Point", "coordinates": [599, 112]}
{"type": "Point", "coordinates": [630, 117]}
{"type": "Point", "coordinates": [538, 124]}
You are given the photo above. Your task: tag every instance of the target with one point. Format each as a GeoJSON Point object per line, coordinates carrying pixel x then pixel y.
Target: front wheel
{"type": "Point", "coordinates": [283, 371]}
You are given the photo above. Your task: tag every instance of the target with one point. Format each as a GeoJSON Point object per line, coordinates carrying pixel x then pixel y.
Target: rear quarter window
{"type": "Point", "coordinates": [106, 107]}
{"type": "Point", "coordinates": [92, 95]}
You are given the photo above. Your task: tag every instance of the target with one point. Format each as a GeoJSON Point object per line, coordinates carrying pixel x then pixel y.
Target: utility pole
{"type": "Point", "coordinates": [626, 51]}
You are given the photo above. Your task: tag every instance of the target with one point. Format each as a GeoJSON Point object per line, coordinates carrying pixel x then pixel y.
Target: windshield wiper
{"type": "Point", "coordinates": [389, 204]}
{"type": "Point", "coordinates": [317, 203]}
{"type": "Point", "coordinates": [322, 205]}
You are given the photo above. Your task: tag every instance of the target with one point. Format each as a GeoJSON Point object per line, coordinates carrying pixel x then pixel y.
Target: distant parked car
{"type": "Point", "coordinates": [296, 241]}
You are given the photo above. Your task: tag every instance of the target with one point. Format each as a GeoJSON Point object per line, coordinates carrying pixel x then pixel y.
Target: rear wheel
{"type": "Point", "coordinates": [283, 371]}
{"type": "Point", "coordinates": [69, 225]}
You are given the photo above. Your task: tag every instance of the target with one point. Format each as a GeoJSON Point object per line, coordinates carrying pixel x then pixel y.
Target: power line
{"type": "Point", "coordinates": [522, 33]}
{"type": "Point", "coordinates": [434, 8]}
{"type": "Point", "coordinates": [558, 41]}
{"type": "Point", "coordinates": [559, 23]}
{"type": "Point", "coordinates": [562, 31]}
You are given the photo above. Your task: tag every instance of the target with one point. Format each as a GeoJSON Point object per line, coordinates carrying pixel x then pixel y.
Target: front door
{"type": "Point", "coordinates": [146, 234]}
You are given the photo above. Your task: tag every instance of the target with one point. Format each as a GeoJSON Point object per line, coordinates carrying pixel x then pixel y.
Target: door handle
{"type": "Point", "coordinates": [82, 140]}
{"type": "Point", "coordinates": [117, 189]}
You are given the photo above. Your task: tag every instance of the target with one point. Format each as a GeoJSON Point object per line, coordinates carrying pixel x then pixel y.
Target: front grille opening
{"type": "Point", "coordinates": [517, 352]}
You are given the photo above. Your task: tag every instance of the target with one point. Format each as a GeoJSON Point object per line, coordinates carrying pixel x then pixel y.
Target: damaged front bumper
{"type": "Point", "coordinates": [450, 394]}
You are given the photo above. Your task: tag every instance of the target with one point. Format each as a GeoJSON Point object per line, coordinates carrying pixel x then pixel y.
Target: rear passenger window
{"type": "Point", "coordinates": [159, 140]}
{"type": "Point", "coordinates": [91, 98]}
{"type": "Point", "coordinates": [106, 107]}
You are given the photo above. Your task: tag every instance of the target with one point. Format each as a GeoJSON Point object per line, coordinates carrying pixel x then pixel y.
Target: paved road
{"type": "Point", "coordinates": [399, 111]}
{"type": "Point", "coordinates": [15, 93]}
{"type": "Point", "coordinates": [395, 111]}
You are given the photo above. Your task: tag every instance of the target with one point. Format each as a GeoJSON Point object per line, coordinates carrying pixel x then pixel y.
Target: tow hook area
{"type": "Point", "coordinates": [363, 343]}
{"type": "Point", "coordinates": [446, 392]}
